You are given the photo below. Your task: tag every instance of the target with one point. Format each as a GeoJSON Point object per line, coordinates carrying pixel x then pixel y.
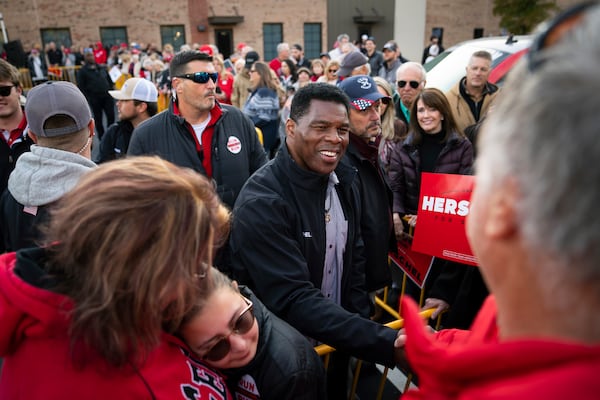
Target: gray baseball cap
{"type": "Point", "coordinates": [56, 98]}
{"type": "Point", "coordinates": [352, 60]}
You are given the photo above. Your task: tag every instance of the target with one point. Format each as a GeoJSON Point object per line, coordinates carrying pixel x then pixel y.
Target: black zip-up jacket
{"type": "Point", "coordinates": [278, 249]}
{"type": "Point", "coordinates": [286, 367]}
{"type": "Point", "coordinates": [10, 154]}
{"type": "Point", "coordinates": [94, 81]}
{"type": "Point", "coordinates": [170, 137]}
{"type": "Point", "coordinates": [115, 142]}
{"type": "Point", "coordinates": [376, 216]}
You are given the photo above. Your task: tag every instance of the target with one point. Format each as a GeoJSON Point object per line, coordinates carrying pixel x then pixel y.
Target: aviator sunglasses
{"type": "Point", "coordinates": [413, 84]}
{"type": "Point", "coordinates": [200, 77]}
{"type": "Point", "coordinates": [241, 326]}
{"type": "Point", "coordinates": [5, 90]}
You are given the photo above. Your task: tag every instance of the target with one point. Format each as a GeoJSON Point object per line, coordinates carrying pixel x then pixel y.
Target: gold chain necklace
{"type": "Point", "coordinates": [327, 214]}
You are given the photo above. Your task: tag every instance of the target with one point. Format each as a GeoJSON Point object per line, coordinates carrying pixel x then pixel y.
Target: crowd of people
{"type": "Point", "coordinates": [207, 248]}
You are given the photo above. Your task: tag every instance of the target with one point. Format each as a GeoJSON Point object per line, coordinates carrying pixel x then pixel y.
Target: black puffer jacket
{"type": "Point", "coordinates": [236, 151]}
{"type": "Point", "coordinates": [286, 365]}
{"type": "Point", "coordinates": [456, 157]}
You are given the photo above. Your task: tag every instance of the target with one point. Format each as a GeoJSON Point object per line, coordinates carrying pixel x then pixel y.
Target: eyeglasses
{"type": "Point", "coordinates": [333, 71]}
{"type": "Point", "coordinates": [200, 77]}
{"type": "Point", "coordinates": [5, 90]}
{"type": "Point", "coordinates": [556, 30]}
{"type": "Point", "coordinates": [413, 84]}
{"type": "Point", "coordinates": [241, 326]}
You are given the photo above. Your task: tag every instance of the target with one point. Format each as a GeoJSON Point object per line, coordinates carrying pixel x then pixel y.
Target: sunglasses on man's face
{"type": "Point", "coordinates": [5, 90]}
{"type": "Point", "coordinates": [333, 71]}
{"type": "Point", "coordinates": [413, 84]}
{"type": "Point", "coordinates": [241, 326]}
{"type": "Point", "coordinates": [200, 77]}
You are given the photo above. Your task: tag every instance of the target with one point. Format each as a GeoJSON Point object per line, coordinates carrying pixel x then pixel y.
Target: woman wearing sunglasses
{"type": "Point", "coordinates": [330, 75]}
{"type": "Point", "coordinates": [230, 329]}
{"type": "Point", "coordinates": [87, 316]}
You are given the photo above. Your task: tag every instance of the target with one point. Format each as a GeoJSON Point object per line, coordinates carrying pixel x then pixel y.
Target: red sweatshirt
{"type": "Point", "coordinates": [475, 365]}
{"type": "Point", "coordinates": [37, 362]}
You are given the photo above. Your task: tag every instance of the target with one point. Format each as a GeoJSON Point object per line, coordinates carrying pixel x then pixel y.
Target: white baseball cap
{"type": "Point", "coordinates": [136, 89]}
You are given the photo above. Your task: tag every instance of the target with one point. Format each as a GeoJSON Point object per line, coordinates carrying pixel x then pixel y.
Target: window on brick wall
{"type": "Point", "coordinates": [312, 40]}
{"type": "Point", "coordinates": [60, 36]}
{"type": "Point", "coordinates": [173, 34]}
{"type": "Point", "coordinates": [110, 36]}
{"type": "Point", "coordinates": [272, 36]}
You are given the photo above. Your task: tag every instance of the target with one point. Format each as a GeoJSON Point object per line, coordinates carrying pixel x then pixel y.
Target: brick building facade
{"type": "Point", "coordinates": [258, 23]}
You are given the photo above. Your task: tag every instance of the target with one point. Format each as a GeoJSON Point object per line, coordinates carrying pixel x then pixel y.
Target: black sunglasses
{"type": "Point", "coordinates": [5, 90]}
{"type": "Point", "coordinates": [241, 326]}
{"type": "Point", "coordinates": [333, 71]}
{"type": "Point", "coordinates": [556, 29]}
{"type": "Point", "coordinates": [413, 84]}
{"type": "Point", "coordinates": [200, 77]}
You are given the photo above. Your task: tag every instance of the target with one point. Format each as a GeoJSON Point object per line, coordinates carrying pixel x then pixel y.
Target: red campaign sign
{"type": "Point", "coordinates": [443, 207]}
{"type": "Point", "coordinates": [415, 265]}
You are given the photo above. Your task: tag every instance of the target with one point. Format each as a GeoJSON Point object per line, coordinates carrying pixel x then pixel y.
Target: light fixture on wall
{"type": "Point", "coordinates": [201, 28]}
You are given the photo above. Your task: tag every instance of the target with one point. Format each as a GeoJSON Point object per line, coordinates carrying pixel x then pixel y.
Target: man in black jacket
{"type": "Point", "coordinates": [14, 140]}
{"type": "Point", "coordinates": [94, 82]}
{"type": "Point", "coordinates": [296, 238]}
{"type": "Point", "coordinates": [136, 102]}
{"type": "Point", "coordinates": [376, 216]}
{"type": "Point", "coordinates": [197, 132]}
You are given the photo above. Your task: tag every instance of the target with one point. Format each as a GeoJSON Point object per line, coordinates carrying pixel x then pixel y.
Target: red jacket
{"type": "Point", "coordinates": [37, 363]}
{"type": "Point", "coordinates": [455, 364]}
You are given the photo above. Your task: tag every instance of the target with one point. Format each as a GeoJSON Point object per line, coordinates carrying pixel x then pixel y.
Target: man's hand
{"type": "Point", "coordinates": [439, 305]}
{"type": "Point", "coordinates": [399, 352]}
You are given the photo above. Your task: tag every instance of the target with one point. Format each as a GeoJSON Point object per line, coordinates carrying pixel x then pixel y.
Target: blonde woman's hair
{"type": "Point", "coordinates": [387, 119]}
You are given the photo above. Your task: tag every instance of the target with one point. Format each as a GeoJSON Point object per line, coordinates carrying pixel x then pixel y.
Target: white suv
{"type": "Point", "coordinates": [446, 69]}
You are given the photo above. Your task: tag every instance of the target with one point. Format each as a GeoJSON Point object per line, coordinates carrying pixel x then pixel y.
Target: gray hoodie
{"type": "Point", "coordinates": [44, 175]}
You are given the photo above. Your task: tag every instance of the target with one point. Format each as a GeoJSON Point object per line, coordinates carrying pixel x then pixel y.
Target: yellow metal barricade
{"type": "Point", "coordinates": [54, 74]}
{"type": "Point", "coordinates": [325, 351]}
{"type": "Point", "coordinates": [398, 323]}
{"type": "Point", "coordinates": [25, 79]}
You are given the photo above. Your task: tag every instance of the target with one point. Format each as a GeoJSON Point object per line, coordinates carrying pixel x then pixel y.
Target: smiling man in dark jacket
{"type": "Point", "coordinates": [296, 237]}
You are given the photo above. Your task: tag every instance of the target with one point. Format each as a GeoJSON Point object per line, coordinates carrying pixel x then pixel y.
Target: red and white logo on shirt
{"type": "Point", "coordinates": [234, 145]}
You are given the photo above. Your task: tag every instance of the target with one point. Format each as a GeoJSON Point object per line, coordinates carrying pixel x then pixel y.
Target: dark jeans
{"type": "Point", "coordinates": [102, 103]}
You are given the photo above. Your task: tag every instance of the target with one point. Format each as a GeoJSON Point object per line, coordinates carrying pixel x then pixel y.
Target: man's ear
{"type": "Point", "coordinates": [502, 218]}
{"type": "Point", "coordinates": [91, 126]}
{"type": "Point", "coordinates": [290, 128]}
{"type": "Point", "coordinates": [32, 136]}
{"type": "Point", "coordinates": [144, 106]}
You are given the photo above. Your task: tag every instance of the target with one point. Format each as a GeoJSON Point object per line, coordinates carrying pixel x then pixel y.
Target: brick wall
{"type": "Point", "coordinates": [25, 18]}
{"type": "Point", "coordinates": [460, 17]}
